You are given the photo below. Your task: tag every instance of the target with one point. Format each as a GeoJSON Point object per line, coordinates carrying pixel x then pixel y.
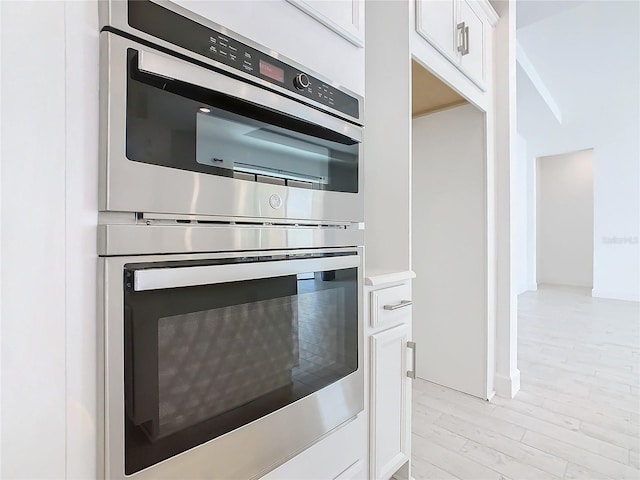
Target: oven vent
{"type": "Point", "coordinates": [195, 220]}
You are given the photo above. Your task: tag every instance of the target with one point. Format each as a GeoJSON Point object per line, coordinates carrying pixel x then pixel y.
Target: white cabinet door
{"type": "Point", "coordinates": [434, 22]}
{"type": "Point", "coordinates": [345, 17]}
{"type": "Point", "coordinates": [473, 61]}
{"type": "Point", "coordinates": [391, 306]}
{"type": "Point", "coordinates": [390, 414]}
{"type": "Point", "coordinates": [456, 28]}
{"type": "Point", "coordinates": [341, 455]}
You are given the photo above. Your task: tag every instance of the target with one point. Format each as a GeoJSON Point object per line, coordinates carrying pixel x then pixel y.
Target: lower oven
{"type": "Point", "coordinates": [225, 365]}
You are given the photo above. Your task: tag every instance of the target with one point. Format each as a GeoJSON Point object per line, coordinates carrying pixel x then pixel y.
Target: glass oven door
{"type": "Point", "coordinates": [175, 124]}
{"type": "Point", "coordinates": [212, 345]}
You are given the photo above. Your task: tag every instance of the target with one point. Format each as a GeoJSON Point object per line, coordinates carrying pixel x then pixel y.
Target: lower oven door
{"type": "Point", "coordinates": [225, 367]}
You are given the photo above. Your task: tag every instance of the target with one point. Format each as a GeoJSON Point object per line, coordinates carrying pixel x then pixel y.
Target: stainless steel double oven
{"type": "Point", "coordinates": [230, 243]}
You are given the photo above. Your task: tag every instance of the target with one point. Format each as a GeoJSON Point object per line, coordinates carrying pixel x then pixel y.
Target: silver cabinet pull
{"type": "Point", "coordinates": [466, 41]}
{"type": "Point", "coordinates": [403, 303]}
{"type": "Point", "coordinates": [460, 27]}
{"type": "Point", "coordinates": [412, 373]}
{"type": "Point", "coordinates": [464, 47]}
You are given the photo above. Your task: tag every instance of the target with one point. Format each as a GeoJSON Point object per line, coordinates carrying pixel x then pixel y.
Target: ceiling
{"type": "Point", "coordinates": [532, 11]}
{"type": "Point", "coordinates": [586, 56]}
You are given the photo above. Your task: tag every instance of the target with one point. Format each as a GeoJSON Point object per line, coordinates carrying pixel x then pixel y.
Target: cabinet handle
{"type": "Point", "coordinates": [412, 373]}
{"type": "Point", "coordinates": [403, 303]}
{"type": "Point", "coordinates": [460, 27]}
{"type": "Point", "coordinates": [464, 30]}
{"type": "Point", "coordinates": [466, 41]}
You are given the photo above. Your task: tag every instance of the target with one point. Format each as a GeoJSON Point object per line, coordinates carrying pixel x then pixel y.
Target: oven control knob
{"type": "Point", "coordinates": [301, 81]}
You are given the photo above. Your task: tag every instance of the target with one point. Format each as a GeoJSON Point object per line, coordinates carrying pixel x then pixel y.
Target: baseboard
{"type": "Point", "coordinates": [532, 287]}
{"type": "Point", "coordinates": [627, 296]}
{"type": "Point", "coordinates": [505, 386]}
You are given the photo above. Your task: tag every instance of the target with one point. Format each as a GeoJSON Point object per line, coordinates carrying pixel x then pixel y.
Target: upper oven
{"type": "Point", "coordinates": [199, 121]}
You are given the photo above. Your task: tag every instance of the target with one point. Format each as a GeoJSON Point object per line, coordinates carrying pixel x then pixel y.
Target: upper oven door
{"type": "Point", "coordinates": [180, 138]}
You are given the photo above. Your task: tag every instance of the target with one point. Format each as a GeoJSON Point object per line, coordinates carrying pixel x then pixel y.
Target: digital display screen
{"type": "Point", "coordinates": [271, 71]}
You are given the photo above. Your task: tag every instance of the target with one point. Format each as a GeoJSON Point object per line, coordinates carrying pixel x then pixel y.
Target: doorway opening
{"type": "Point", "coordinates": [564, 219]}
{"type": "Point", "coordinates": [449, 236]}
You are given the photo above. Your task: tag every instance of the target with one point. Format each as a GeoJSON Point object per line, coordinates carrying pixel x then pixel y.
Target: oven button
{"type": "Point", "coordinates": [275, 201]}
{"type": "Point", "coordinates": [301, 81]}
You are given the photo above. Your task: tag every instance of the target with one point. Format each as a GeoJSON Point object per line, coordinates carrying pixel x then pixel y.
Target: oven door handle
{"type": "Point", "coordinates": [167, 67]}
{"type": "Point", "coordinates": [164, 278]}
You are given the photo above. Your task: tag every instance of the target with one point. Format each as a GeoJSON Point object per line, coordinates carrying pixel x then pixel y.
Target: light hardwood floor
{"type": "Point", "coordinates": [577, 415]}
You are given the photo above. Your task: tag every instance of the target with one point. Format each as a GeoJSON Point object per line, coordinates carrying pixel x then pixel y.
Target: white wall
{"type": "Point", "coordinates": [82, 52]}
{"type": "Point", "coordinates": [387, 154]}
{"type": "Point", "coordinates": [33, 240]}
{"type": "Point", "coordinates": [602, 114]}
{"type": "Point", "coordinates": [616, 265]}
{"type": "Point", "coordinates": [519, 204]}
{"type": "Point", "coordinates": [450, 251]}
{"type": "Point", "coordinates": [565, 219]}
{"type": "Point", "coordinates": [500, 182]}
{"type": "Point", "coordinates": [1, 244]}
{"type": "Point", "coordinates": [531, 215]}
{"type": "Point", "coordinates": [524, 216]}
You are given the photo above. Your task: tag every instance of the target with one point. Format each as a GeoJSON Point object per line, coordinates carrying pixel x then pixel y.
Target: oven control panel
{"type": "Point", "coordinates": [163, 23]}
{"type": "Point", "coordinates": [242, 57]}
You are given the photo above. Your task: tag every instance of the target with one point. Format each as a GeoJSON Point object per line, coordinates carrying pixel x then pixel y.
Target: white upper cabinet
{"type": "Point", "coordinates": [344, 17]}
{"type": "Point", "coordinates": [459, 30]}
{"type": "Point", "coordinates": [434, 20]}
{"type": "Point", "coordinates": [471, 45]}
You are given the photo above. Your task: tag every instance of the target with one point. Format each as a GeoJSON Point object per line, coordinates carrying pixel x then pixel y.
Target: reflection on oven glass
{"type": "Point", "coordinates": [173, 125]}
{"type": "Point", "coordinates": [215, 361]}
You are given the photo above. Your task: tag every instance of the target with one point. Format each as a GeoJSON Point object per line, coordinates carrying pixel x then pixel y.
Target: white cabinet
{"type": "Point", "coordinates": [344, 17]}
{"type": "Point", "coordinates": [434, 21]}
{"type": "Point", "coordinates": [392, 365]}
{"type": "Point", "coordinates": [458, 29]}
{"type": "Point", "coordinates": [340, 455]}
{"type": "Point", "coordinates": [470, 31]}
{"type": "Point", "coordinates": [391, 306]}
{"type": "Point", "coordinates": [389, 401]}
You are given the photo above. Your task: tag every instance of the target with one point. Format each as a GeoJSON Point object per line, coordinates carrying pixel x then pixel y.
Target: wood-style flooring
{"type": "Point", "coordinates": [577, 415]}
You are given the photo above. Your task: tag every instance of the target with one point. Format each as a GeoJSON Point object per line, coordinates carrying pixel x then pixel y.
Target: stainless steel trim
{"type": "Point", "coordinates": [161, 278]}
{"type": "Point", "coordinates": [114, 13]}
{"type": "Point", "coordinates": [165, 66]}
{"type": "Point", "coordinates": [300, 424]}
{"type": "Point", "coordinates": [142, 239]}
{"type": "Point", "coordinates": [412, 373]}
{"type": "Point", "coordinates": [195, 193]}
{"type": "Point", "coordinates": [403, 303]}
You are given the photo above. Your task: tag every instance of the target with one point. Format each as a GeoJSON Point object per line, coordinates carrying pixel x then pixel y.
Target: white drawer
{"type": "Point", "coordinates": [342, 455]}
{"type": "Point", "coordinates": [391, 306]}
